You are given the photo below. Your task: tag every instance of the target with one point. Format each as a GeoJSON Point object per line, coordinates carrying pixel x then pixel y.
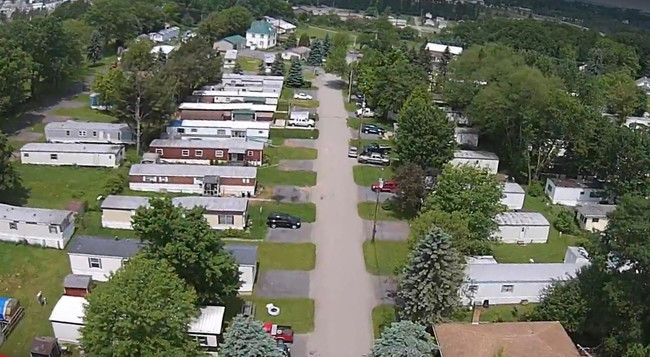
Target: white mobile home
{"type": "Point", "coordinates": [513, 195]}
{"type": "Point", "coordinates": [230, 59]}
{"type": "Point", "coordinates": [479, 159]}
{"type": "Point", "coordinates": [251, 80]}
{"type": "Point", "coordinates": [96, 155]}
{"type": "Point", "coordinates": [237, 96]}
{"type": "Point", "coordinates": [218, 129]}
{"type": "Point", "coordinates": [522, 227]}
{"type": "Point", "coordinates": [466, 136]}
{"type": "Point", "coordinates": [206, 328]}
{"type": "Point", "coordinates": [594, 217]}
{"type": "Point", "coordinates": [100, 256]}
{"type": "Point", "coordinates": [165, 35]}
{"type": "Point", "coordinates": [570, 192]}
{"type": "Point", "coordinates": [72, 131]}
{"type": "Point", "coordinates": [496, 283]}
{"type": "Point", "coordinates": [246, 257]}
{"type": "Point", "coordinates": [37, 226]}
{"type": "Point", "coordinates": [226, 111]}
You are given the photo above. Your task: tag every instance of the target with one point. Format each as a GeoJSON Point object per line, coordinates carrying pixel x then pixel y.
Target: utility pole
{"type": "Point", "coordinates": [138, 119]}
{"type": "Point", "coordinates": [374, 219]}
{"type": "Point", "coordinates": [350, 84]}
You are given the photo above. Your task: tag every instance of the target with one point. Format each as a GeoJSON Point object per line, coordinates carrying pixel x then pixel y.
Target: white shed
{"type": "Point", "coordinates": [100, 256]}
{"type": "Point", "coordinates": [570, 192]}
{"type": "Point", "coordinates": [67, 318]}
{"type": "Point", "coordinates": [97, 155]}
{"type": "Point", "coordinates": [513, 195]}
{"type": "Point", "coordinates": [246, 257]}
{"type": "Point", "coordinates": [522, 227]}
{"type": "Point", "coordinates": [479, 159]}
{"type": "Point", "coordinates": [207, 327]}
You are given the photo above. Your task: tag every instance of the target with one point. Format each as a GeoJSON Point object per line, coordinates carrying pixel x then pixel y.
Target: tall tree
{"type": "Point", "coordinates": [234, 20]}
{"type": "Point", "coordinates": [237, 69]}
{"type": "Point", "coordinates": [424, 137]}
{"type": "Point", "coordinates": [277, 68]}
{"type": "Point", "coordinates": [336, 62]}
{"type": "Point", "coordinates": [624, 98]}
{"type": "Point", "coordinates": [115, 20]}
{"type": "Point", "coordinates": [304, 40]}
{"type": "Point", "coordinates": [16, 68]}
{"type": "Point", "coordinates": [410, 180]}
{"type": "Point", "coordinates": [402, 339]}
{"type": "Point", "coordinates": [456, 224]}
{"type": "Point", "coordinates": [295, 78]}
{"type": "Point", "coordinates": [316, 54]}
{"type": "Point", "coordinates": [444, 62]}
{"type": "Point", "coordinates": [246, 338]}
{"type": "Point", "coordinates": [428, 291]}
{"type": "Point", "coordinates": [326, 45]}
{"type": "Point", "coordinates": [8, 176]}
{"type": "Point", "coordinates": [292, 41]}
{"type": "Point", "coordinates": [143, 310]}
{"type": "Point", "coordinates": [139, 57]}
{"type": "Point", "coordinates": [185, 239]}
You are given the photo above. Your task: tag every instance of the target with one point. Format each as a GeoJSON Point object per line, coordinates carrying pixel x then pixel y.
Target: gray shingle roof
{"type": "Point", "coordinates": [87, 245]}
{"type": "Point", "coordinates": [230, 204]}
{"type": "Point", "coordinates": [193, 170]}
{"type": "Point", "coordinates": [596, 210]}
{"type": "Point", "coordinates": [536, 272]}
{"type": "Point", "coordinates": [72, 148]}
{"type": "Point", "coordinates": [37, 215]}
{"type": "Point", "coordinates": [124, 202]}
{"type": "Point", "coordinates": [77, 281]}
{"type": "Point", "coordinates": [243, 254]}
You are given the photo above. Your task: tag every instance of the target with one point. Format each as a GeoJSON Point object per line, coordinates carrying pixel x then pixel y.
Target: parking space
{"type": "Point", "coordinates": [296, 165]}
{"type": "Point", "coordinates": [312, 92]}
{"type": "Point", "coordinates": [283, 284]}
{"type": "Point", "coordinates": [387, 230]}
{"type": "Point", "coordinates": [300, 143]}
{"type": "Point", "coordinates": [371, 137]}
{"type": "Point", "coordinates": [366, 194]}
{"type": "Point", "coordinates": [288, 235]}
{"type": "Point", "coordinates": [291, 194]}
{"type": "Point", "coordinates": [386, 289]}
{"type": "Point", "coordinates": [299, 347]}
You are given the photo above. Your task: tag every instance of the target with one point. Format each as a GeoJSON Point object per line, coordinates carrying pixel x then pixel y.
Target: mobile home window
{"type": "Point", "coordinates": [159, 151]}
{"type": "Point", "coordinates": [94, 133]}
{"type": "Point", "coordinates": [13, 225]}
{"type": "Point", "coordinates": [507, 288]}
{"type": "Point", "coordinates": [181, 130]}
{"type": "Point", "coordinates": [221, 132]}
{"type": "Point", "coordinates": [246, 180]}
{"type": "Point", "coordinates": [249, 153]}
{"type": "Point", "coordinates": [193, 130]}
{"type": "Point", "coordinates": [238, 134]}
{"type": "Point", "coordinates": [67, 133]}
{"type": "Point", "coordinates": [226, 219]}
{"type": "Point", "coordinates": [54, 229]}
{"type": "Point", "coordinates": [595, 220]}
{"type": "Point", "coordinates": [54, 156]}
{"type": "Point", "coordinates": [25, 154]}
{"type": "Point", "coordinates": [198, 153]}
{"type": "Point", "coordinates": [82, 133]}
{"type": "Point", "coordinates": [185, 152]}
{"type": "Point", "coordinates": [473, 288]}
{"type": "Point", "coordinates": [202, 340]}
{"type": "Point", "coordinates": [218, 153]}
{"type": "Point", "coordinates": [95, 263]}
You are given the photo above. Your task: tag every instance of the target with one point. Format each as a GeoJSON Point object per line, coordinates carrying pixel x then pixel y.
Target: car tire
{"type": "Point", "coordinates": [294, 226]}
{"type": "Point", "coordinates": [273, 225]}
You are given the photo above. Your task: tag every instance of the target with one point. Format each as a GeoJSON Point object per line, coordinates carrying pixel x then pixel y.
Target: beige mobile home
{"type": "Point", "coordinates": [38, 226]}
{"type": "Point", "coordinates": [96, 155]}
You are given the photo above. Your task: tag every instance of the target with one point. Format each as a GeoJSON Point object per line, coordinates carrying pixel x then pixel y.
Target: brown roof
{"type": "Point", "coordinates": [513, 339]}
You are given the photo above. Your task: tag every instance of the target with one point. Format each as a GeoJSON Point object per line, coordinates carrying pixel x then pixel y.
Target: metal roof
{"type": "Point", "coordinates": [225, 143]}
{"type": "Point", "coordinates": [525, 272]}
{"type": "Point", "coordinates": [243, 254]}
{"type": "Point", "coordinates": [476, 155]}
{"type": "Point", "coordinates": [235, 39]}
{"type": "Point", "coordinates": [69, 309]}
{"type": "Point", "coordinates": [228, 106]}
{"type": "Point", "coordinates": [77, 281]}
{"type": "Point", "coordinates": [235, 93]}
{"type": "Point", "coordinates": [466, 130]}
{"type": "Point", "coordinates": [438, 47]}
{"type": "Point", "coordinates": [573, 183]}
{"type": "Point", "coordinates": [512, 187]}
{"type": "Point", "coordinates": [124, 202]}
{"type": "Point", "coordinates": [521, 219]}
{"type": "Point", "coordinates": [209, 322]}
{"type": "Point", "coordinates": [72, 148]}
{"type": "Point", "coordinates": [104, 246]}
{"type": "Point", "coordinates": [193, 170]}
{"type": "Point", "coordinates": [215, 204]}
{"type": "Point", "coordinates": [251, 77]}
{"type": "Point", "coordinates": [260, 27]}
{"type": "Point", "coordinates": [226, 124]}
{"type": "Point", "coordinates": [596, 210]}
{"type": "Point", "coordinates": [36, 215]}
{"type": "Point", "coordinates": [230, 54]}
{"type": "Point", "coordinates": [85, 125]}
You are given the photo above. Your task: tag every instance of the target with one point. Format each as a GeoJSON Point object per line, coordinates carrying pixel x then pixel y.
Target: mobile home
{"type": "Point", "coordinates": [594, 217]}
{"type": "Point", "coordinates": [99, 257]}
{"type": "Point", "coordinates": [96, 155]}
{"type": "Point", "coordinates": [230, 59]}
{"type": "Point", "coordinates": [206, 329]}
{"type": "Point", "coordinates": [37, 226]}
{"type": "Point", "coordinates": [479, 159]}
{"type": "Point", "coordinates": [72, 131]}
{"type": "Point", "coordinates": [209, 152]}
{"type": "Point", "coordinates": [218, 130]}
{"type": "Point", "coordinates": [513, 195]}
{"type": "Point", "coordinates": [246, 80]}
{"type": "Point", "coordinates": [236, 96]}
{"type": "Point", "coordinates": [226, 111]}
{"type": "Point", "coordinates": [246, 257]}
{"type": "Point", "coordinates": [522, 227]}
{"type": "Point", "coordinates": [570, 192]}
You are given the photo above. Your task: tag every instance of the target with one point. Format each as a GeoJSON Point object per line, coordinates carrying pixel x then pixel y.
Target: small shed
{"type": "Point", "coordinates": [480, 159]}
{"type": "Point", "coordinates": [594, 217]}
{"type": "Point", "coordinates": [513, 195]}
{"type": "Point", "coordinates": [522, 227]}
{"type": "Point", "coordinates": [96, 155]}
{"type": "Point", "coordinates": [246, 257]}
{"type": "Point", "coordinates": [45, 347]}
{"type": "Point", "coordinates": [67, 318]}
{"type": "Point", "coordinates": [77, 285]}
{"type": "Point", "coordinates": [206, 328]}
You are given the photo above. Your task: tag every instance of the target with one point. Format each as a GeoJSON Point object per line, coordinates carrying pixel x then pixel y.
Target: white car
{"type": "Point", "coordinates": [302, 96]}
{"type": "Point", "coordinates": [304, 122]}
{"type": "Point", "coordinates": [365, 112]}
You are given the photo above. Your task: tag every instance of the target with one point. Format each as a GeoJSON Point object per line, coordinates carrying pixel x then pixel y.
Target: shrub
{"type": "Point", "coordinates": [565, 222]}
{"type": "Point", "coordinates": [536, 189]}
{"type": "Point", "coordinates": [114, 185]}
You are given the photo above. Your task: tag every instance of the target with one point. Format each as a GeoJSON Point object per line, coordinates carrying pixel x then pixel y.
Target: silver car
{"type": "Point", "coordinates": [353, 152]}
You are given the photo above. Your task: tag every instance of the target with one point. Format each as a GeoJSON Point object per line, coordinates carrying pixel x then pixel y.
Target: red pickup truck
{"type": "Point", "coordinates": [279, 332]}
{"type": "Point", "coordinates": [389, 186]}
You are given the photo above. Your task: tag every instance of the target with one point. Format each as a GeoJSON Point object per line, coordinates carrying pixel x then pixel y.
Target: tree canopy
{"type": "Point", "coordinates": [246, 338]}
{"type": "Point", "coordinates": [404, 339]}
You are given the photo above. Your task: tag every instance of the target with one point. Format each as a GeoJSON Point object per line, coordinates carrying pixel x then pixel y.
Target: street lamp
{"type": "Point", "coordinates": [374, 219]}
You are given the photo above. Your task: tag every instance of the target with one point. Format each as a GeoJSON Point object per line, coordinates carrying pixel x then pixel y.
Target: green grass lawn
{"type": "Point", "coordinates": [367, 211]}
{"type": "Point", "coordinates": [365, 175]}
{"type": "Point", "coordinates": [382, 317]}
{"type": "Point", "coordinates": [550, 252]}
{"type": "Point", "coordinates": [298, 313]}
{"type": "Point", "coordinates": [287, 93]}
{"type": "Point", "coordinates": [495, 313]}
{"type": "Point", "coordinates": [286, 256]}
{"type": "Point", "coordinates": [91, 225]}
{"type": "Point", "coordinates": [384, 257]}
{"type": "Point", "coordinates": [26, 271]}
{"type": "Point", "coordinates": [85, 114]}
{"type": "Point", "coordinates": [304, 103]}
{"type": "Point", "coordinates": [272, 176]}
{"type": "Point", "coordinates": [258, 211]}
{"type": "Point", "coordinates": [249, 64]}
{"type": "Point", "coordinates": [320, 32]}
{"type": "Point", "coordinates": [294, 134]}
{"type": "Point", "coordinates": [274, 154]}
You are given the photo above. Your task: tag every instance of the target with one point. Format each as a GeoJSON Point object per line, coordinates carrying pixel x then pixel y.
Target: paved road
{"type": "Point", "coordinates": [344, 292]}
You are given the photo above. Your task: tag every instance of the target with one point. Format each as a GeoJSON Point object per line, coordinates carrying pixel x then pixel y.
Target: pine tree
{"type": "Point", "coordinates": [429, 289]}
{"type": "Point", "coordinates": [246, 338]}
{"type": "Point", "coordinates": [277, 68]}
{"type": "Point", "coordinates": [292, 41]}
{"type": "Point", "coordinates": [161, 58]}
{"type": "Point", "coordinates": [94, 48]}
{"type": "Point", "coordinates": [316, 54]}
{"type": "Point", "coordinates": [237, 69]}
{"type": "Point", "coordinates": [326, 45]}
{"type": "Point", "coordinates": [295, 79]}
{"type": "Point", "coordinates": [304, 40]}
{"type": "Point", "coordinates": [404, 338]}
{"type": "Point", "coordinates": [261, 69]}
{"type": "Point", "coordinates": [444, 62]}
{"type": "Point", "coordinates": [424, 59]}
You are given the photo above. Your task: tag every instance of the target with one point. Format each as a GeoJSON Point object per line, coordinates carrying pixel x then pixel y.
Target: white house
{"type": "Point", "coordinates": [37, 226]}
{"type": "Point", "coordinates": [73, 131]}
{"type": "Point", "coordinates": [300, 52]}
{"type": "Point", "coordinates": [165, 35]}
{"type": "Point", "coordinates": [571, 192]}
{"type": "Point", "coordinates": [236, 96]}
{"type": "Point", "coordinates": [280, 25]}
{"type": "Point", "coordinates": [230, 59]}
{"type": "Point", "coordinates": [486, 280]}
{"type": "Point", "coordinates": [218, 129]}
{"type": "Point", "coordinates": [466, 136]}
{"type": "Point", "coordinates": [513, 195]}
{"type": "Point", "coordinates": [594, 217]}
{"type": "Point", "coordinates": [206, 328]}
{"type": "Point", "coordinates": [479, 159]}
{"type": "Point", "coordinates": [437, 50]}
{"type": "Point", "coordinates": [644, 84]}
{"type": "Point", "coordinates": [97, 155]}
{"type": "Point", "coordinates": [162, 50]}
{"type": "Point", "coordinates": [100, 256]}
{"type": "Point", "coordinates": [261, 35]}
{"type": "Point", "coordinates": [522, 227]}
{"type": "Point", "coordinates": [246, 257]}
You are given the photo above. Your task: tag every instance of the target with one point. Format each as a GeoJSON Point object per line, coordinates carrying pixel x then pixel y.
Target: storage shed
{"type": "Point", "coordinates": [77, 285]}
{"type": "Point", "coordinates": [97, 155]}
{"type": "Point", "coordinates": [246, 257]}
{"type": "Point", "coordinates": [50, 228]}
{"type": "Point", "coordinates": [513, 195]}
{"type": "Point", "coordinates": [45, 347]}
{"type": "Point", "coordinates": [522, 227]}
{"type": "Point", "coordinates": [73, 131]}
{"type": "Point", "coordinates": [117, 210]}
{"type": "Point", "coordinates": [100, 256]}
{"type": "Point", "coordinates": [207, 328]}
{"type": "Point", "coordinates": [67, 318]}
{"type": "Point", "coordinates": [209, 152]}
{"type": "Point", "coordinates": [480, 159]}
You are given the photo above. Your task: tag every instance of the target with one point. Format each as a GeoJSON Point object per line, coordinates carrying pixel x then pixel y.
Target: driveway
{"type": "Point", "coordinates": [296, 165]}
{"type": "Point", "coordinates": [283, 284]}
{"type": "Point", "coordinates": [344, 292]}
{"type": "Point", "coordinates": [288, 235]}
{"type": "Point", "coordinates": [291, 194]}
{"type": "Point", "coordinates": [387, 230]}
{"type": "Point", "coordinates": [300, 143]}
{"type": "Point", "coordinates": [366, 194]}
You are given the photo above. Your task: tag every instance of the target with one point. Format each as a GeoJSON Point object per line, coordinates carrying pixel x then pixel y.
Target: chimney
{"type": "Point", "coordinates": [476, 313]}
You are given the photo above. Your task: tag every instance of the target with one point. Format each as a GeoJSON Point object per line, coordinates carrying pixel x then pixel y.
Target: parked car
{"type": "Point", "coordinates": [373, 158]}
{"type": "Point", "coordinates": [283, 348]}
{"type": "Point", "coordinates": [302, 96]}
{"type": "Point", "coordinates": [373, 129]}
{"type": "Point", "coordinates": [380, 149]}
{"type": "Point", "coordinates": [278, 219]}
{"type": "Point", "coordinates": [388, 186]}
{"type": "Point", "coordinates": [279, 332]}
{"type": "Point", "coordinates": [353, 152]}
{"type": "Point", "coordinates": [365, 112]}
{"type": "Point", "coordinates": [304, 122]}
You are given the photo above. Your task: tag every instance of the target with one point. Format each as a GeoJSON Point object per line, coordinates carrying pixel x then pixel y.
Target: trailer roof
{"type": "Point", "coordinates": [479, 154]}
{"type": "Point", "coordinates": [69, 309]}
{"type": "Point", "coordinates": [209, 322]}
{"type": "Point", "coordinates": [512, 187]}
{"type": "Point", "coordinates": [105, 246]}
{"type": "Point", "coordinates": [72, 148]}
{"type": "Point", "coordinates": [230, 204]}
{"type": "Point", "coordinates": [228, 106]}
{"type": "Point", "coordinates": [521, 219]}
{"type": "Point", "coordinates": [78, 124]}
{"type": "Point", "coordinates": [37, 215]}
{"type": "Point", "coordinates": [181, 170]}
{"type": "Point", "coordinates": [225, 143]}
{"type": "Point", "coordinates": [226, 124]}
{"type": "Point", "coordinates": [243, 254]}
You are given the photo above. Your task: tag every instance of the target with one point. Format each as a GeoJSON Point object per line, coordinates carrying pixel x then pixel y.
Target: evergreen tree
{"type": "Point", "coordinates": [295, 78]}
{"type": "Point", "coordinates": [292, 41]}
{"type": "Point", "coordinates": [326, 45]}
{"type": "Point", "coordinates": [237, 69]}
{"type": "Point", "coordinates": [261, 68]}
{"type": "Point", "coordinates": [424, 59]}
{"type": "Point", "coordinates": [429, 289]}
{"type": "Point", "coordinates": [444, 62]}
{"type": "Point", "coordinates": [94, 48]}
{"type": "Point", "coordinates": [9, 179]}
{"type": "Point", "coordinates": [277, 68]}
{"type": "Point", "coordinates": [304, 40]}
{"type": "Point", "coordinates": [316, 54]}
{"type": "Point", "coordinates": [404, 339]}
{"type": "Point", "coordinates": [246, 338]}
{"type": "Point", "coordinates": [161, 58]}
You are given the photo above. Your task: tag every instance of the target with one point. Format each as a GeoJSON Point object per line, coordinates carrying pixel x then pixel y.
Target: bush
{"type": "Point", "coordinates": [233, 233]}
{"type": "Point", "coordinates": [536, 189]}
{"type": "Point", "coordinates": [565, 222]}
{"type": "Point", "coordinates": [114, 185]}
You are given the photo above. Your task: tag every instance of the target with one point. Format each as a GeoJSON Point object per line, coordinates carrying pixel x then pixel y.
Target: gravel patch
{"type": "Point", "coordinates": [386, 289]}
{"type": "Point", "coordinates": [300, 143]}
{"type": "Point", "coordinates": [283, 284]}
{"type": "Point", "coordinates": [288, 235]}
{"type": "Point", "coordinates": [366, 194]}
{"type": "Point", "coordinates": [296, 165]}
{"type": "Point", "coordinates": [291, 194]}
{"type": "Point", "coordinates": [387, 230]}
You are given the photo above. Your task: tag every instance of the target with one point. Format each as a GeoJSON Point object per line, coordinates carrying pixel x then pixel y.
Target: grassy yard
{"type": "Point", "coordinates": [320, 32]}
{"type": "Point", "coordinates": [365, 175]}
{"type": "Point", "coordinates": [367, 211]}
{"type": "Point", "coordinates": [305, 103]}
{"type": "Point", "coordinates": [258, 211]}
{"type": "Point", "coordinates": [287, 93]}
{"type": "Point", "coordinates": [496, 313]}
{"type": "Point", "coordinates": [26, 271]}
{"type": "Point", "coordinates": [272, 176]}
{"type": "Point", "coordinates": [84, 113]}
{"type": "Point", "coordinates": [274, 154]}
{"type": "Point", "coordinates": [384, 257]}
{"type": "Point", "coordinates": [286, 256]}
{"type": "Point", "coordinates": [550, 252]}
{"type": "Point", "coordinates": [382, 317]}
{"type": "Point", "coordinates": [298, 313]}
{"type": "Point", "coordinates": [294, 134]}
{"type": "Point", "coordinates": [249, 64]}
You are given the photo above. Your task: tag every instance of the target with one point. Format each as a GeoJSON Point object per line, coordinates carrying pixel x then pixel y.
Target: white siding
{"type": "Point", "coordinates": [522, 233]}
{"type": "Point", "coordinates": [80, 264]}
{"type": "Point", "coordinates": [589, 224]}
{"type": "Point", "coordinates": [37, 234]}
{"type": "Point", "coordinates": [121, 219]}
{"type": "Point", "coordinates": [66, 332]}
{"type": "Point", "coordinates": [492, 291]}
{"type": "Point", "coordinates": [77, 158]}
{"type": "Point", "coordinates": [196, 188]}
{"type": "Point", "coordinates": [218, 133]}
{"type": "Point", "coordinates": [491, 165]}
{"type": "Point", "coordinates": [571, 196]}
{"type": "Point", "coordinates": [464, 138]}
{"type": "Point", "coordinates": [212, 340]}
{"type": "Point", "coordinates": [513, 200]}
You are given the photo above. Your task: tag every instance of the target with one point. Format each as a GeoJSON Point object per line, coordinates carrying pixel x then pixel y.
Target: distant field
{"type": "Point", "coordinates": [627, 4]}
